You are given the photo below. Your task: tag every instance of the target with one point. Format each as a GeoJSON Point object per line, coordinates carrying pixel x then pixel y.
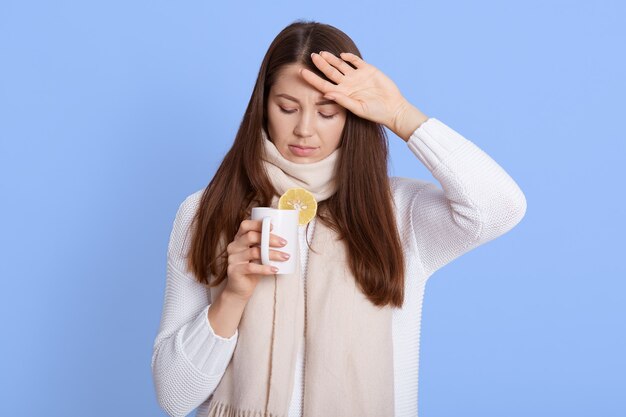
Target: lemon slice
{"type": "Point", "coordinates": [299, 198]}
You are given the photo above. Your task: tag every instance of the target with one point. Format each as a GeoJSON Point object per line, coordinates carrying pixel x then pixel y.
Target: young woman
{"type": "Point", "coordinates": [341, 336]}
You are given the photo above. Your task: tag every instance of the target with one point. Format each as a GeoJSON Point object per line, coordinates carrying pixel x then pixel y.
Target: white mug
{"type": "Point", "coordinates": [285, 224]}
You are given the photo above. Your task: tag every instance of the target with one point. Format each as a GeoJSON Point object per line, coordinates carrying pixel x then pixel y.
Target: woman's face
{"type": "Point", "coordinates": [304, 126]}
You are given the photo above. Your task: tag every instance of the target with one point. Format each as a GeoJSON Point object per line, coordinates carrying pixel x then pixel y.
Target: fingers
{"type": "Point", "coordinates": [316, 81]}
{"type": "Point", "coordinates": [249, 268]}
{"type": "Point", "coordinates": [247, 225]}
{"type": "Point", "coordinates": [353, 59]}
{"type": "Point", "coordinates": [254, 238]}
{"type": "Point", "coordinates": [333, 67]}
{"type": "Point", "coordinates": [241, 250]}
{"type": "Point", "coordinates": [254, 253]}
{"type": "Point", "coordinates": [250, 234]}
{"type": "Point", "coordinates": [338, 63]}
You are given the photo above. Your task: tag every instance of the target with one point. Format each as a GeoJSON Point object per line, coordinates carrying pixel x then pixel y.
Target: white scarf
{"type": "Point", "coordinates": [348, 367]}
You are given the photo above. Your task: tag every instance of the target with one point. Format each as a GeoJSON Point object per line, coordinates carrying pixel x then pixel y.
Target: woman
{"type": "Point", "coordinates": [341, 338]}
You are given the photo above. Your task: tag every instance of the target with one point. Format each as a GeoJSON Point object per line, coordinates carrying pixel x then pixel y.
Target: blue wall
{"type": "Point", "coordinates": [111, 113]}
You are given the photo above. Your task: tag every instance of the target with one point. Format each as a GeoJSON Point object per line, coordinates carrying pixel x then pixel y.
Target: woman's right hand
{"type": "Point", "coordinates": [242, 274]}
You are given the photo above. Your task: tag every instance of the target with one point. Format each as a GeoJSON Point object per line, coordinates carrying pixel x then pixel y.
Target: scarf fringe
{"type": "Point", "coordinates": [219, 409]}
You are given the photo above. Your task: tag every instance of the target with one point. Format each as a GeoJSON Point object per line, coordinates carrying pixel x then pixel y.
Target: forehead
{"type": "Point", "coordinates": [289, 81]}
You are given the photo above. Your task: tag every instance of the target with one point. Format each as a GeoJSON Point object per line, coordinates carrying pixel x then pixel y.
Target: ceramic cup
{"type": "Point", "coordinates": [285, 225]}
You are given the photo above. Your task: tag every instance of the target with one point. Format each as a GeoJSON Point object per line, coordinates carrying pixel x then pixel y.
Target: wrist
{"type": "Point", "coordinates": [232, 298]}
{"type": "Point", "coordinates": [407, 119]}
{"type": "Point", "coordinates": [225, 314]}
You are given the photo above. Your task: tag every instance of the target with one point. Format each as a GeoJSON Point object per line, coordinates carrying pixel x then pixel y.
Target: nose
{"type": "Point", "coordinates": [305, 126]}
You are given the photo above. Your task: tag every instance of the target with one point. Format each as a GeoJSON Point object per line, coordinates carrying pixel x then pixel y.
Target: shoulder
{"type": "Point", "coordinates": [194, 198]}
{"type": "Point", "coordinates": [187, 208]}
{"type": "Point", "coordinates": [182, 222]}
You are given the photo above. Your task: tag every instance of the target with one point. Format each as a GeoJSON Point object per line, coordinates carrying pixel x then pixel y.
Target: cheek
{"type": "Point", "coordinates": [336, 129]}
{"type": "Point", "coordinates": [275, 122]}
{"type": "Point", "coordinates": [272, 113]}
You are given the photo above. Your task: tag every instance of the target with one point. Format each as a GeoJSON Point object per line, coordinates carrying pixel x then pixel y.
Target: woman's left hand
{"type": "Point", "coordinates": [365, 91]}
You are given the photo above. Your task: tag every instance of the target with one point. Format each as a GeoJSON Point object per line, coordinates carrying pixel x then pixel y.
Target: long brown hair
{"type": "Point", "coordinates": [361, 210]}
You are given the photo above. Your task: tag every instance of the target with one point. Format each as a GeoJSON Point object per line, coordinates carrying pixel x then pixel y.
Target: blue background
{"type": "Point", "coordinates": [111, 113]}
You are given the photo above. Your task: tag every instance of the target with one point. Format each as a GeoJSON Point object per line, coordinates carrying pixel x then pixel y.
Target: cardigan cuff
{"type": "Point", "coordinates": [208, 352]}
{"type": "Point", "coordinates": [433, 141]}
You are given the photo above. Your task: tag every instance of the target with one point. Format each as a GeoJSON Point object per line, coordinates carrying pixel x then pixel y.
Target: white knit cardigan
{"type": "Point", "coordinates": [477, 202]}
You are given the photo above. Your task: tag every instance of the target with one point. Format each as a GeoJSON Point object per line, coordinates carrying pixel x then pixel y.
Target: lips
{"type": "Point", "coordinates": [301, 151]}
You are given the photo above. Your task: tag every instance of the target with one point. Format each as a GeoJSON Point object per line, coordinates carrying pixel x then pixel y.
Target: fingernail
{"type": "Point", "coordinates": [274, 269]}
{"type": "Point", "coordinates": [283, 241]}
{"type": "Point", "coordinates": [284, 255]}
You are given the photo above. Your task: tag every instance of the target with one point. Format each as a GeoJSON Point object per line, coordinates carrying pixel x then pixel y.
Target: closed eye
{"type": "Point", "coordinates": [321, 114]}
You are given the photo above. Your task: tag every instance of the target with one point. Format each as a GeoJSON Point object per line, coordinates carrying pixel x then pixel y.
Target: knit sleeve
{"type": "Point", "coordinates": [188, 358]}
{"type": "Point", "coordinates": [477, 201]}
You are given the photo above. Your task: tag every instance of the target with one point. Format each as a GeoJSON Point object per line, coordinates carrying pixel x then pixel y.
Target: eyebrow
{"type": "Point", "coordinates": [319, 103]}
